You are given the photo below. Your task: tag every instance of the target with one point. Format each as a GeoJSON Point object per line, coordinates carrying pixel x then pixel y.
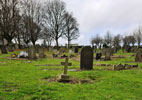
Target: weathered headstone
{"type": "Point", "coordinates": [3, 49]}
{"type": "Point", "coordinates": [126, 49]}
{"type": "Point", "coordinates": [124, 67]}
{"type": "Point", "coordinates": [139, 55]}
{"type": "Point", "coordinates": [10, 47]}
{"type": "Point", "coordinates": [55, 50]}
{"type": "Point", "coordinates": [108, 54]}
{"type": "Point", "coordinates": [86, 58]}
{"type": "Point", "coordinates": [103, 51]}
{"type": "Point", "coordinates": [119, 67]}
{"type": "Point", "coordinates": [65, 77]}
{"type": "Point", "coordinates": [32, 53]}
{"type": "Point", "coordinates": [115, 49]}
{"type": "Point", "coordinates": [62, 50]}
{"type": "Point", "coordinates": [41, 52]}
{"type": "Point", "coordinates": [36, 47]}
{"type": "Point", "coordinates": [50, 49]}
{"type": "Point", "coordinates": [134, 49]}
{"type": "Point", "coordinates": [16, 46]}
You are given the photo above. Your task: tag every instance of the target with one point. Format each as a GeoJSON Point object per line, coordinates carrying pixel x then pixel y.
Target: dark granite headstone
{"type": "Point", "coordinates": [98, 56]}
{"type": "Point", "coordinates": [3, 49]}
{"type": "Point", "coordinates": [76, 50]}
{"type": "Point", "coordinates": [86, 58]}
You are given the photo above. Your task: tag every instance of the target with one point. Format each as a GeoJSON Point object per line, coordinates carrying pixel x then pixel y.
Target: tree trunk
{"type": "Point", "coordinates": [57, 43]}
{"type": "Point", "coordinates": [9, 41]}
{"type": "Point", "coordinates": [19, 42]}
{"type": "Point", "coordinates": [68, 44]}
{"type": "Point", "coordinates": [33, 43]}
{"type": "Point", "coordinates": [138, 44]}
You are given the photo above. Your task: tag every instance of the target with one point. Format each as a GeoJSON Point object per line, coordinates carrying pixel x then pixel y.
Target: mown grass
{"type": "Point", "coordinates": [23, 80]}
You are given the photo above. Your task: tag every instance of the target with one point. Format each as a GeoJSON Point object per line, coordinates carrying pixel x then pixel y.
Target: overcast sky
{"type": "Point", "coordinates": [99, 16]}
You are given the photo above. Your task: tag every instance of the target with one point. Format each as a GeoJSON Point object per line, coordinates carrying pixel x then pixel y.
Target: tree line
{"type": "Point", "coordinates": [30, 20]}
{"type": "Point", "coordinates": [118, 40]}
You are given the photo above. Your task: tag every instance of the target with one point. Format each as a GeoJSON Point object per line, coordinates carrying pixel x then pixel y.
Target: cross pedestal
{"type": "Point", "coordinates": [65, 77]}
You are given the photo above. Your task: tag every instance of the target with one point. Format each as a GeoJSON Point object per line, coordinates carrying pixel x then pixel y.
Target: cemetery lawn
{"type": "Point", "coordinates": [29, 80]}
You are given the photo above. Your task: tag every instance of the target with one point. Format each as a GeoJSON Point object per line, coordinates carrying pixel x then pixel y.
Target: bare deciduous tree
{"type": "Point", "coordinates": [71, 30]}
{"type": "Point", "coordinates": [9, 19]}
{"type": "Point", "coordinates": [54, 18]}
{"type": "Point", "coordinates": [97, 40]}
{"type": "Point", "coordinates": [46, 36]}
{"type": "Point", "coordinates": [108, 38]}
{"type": "Point", "coordinates": [132, 40]}
{"type": "Point", "coordinates": [126, 41]}
{"type": "Point", "coordinates": [138, 36]}
{"type": "Point", "coordinates": [117, 40]}
{"type": "Point", "coordinates": [32, 17]}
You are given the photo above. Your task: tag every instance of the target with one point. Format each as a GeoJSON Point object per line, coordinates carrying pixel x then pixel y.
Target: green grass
{"type": "Point", "coordinates": [22, 80]}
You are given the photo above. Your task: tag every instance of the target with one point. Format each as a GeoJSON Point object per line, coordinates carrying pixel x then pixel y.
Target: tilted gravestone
{"type": "Point", "coordinates": [86, 58]}
{"type": "Point", "coordinates": [139, 55]}
{"type": "Point", "coordinates": [32, 53]}
{"type": "Point", "coordinates": [3, 49]}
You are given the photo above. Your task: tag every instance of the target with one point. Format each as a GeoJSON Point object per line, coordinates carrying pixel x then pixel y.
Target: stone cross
{"type": "Point", "coordinates": [66, 64]}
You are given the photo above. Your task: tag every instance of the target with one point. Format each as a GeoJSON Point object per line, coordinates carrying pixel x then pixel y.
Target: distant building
{"type": "Point", "coordinates": [72, 45]}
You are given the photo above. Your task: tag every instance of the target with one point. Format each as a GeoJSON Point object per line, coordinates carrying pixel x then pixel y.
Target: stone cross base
{"type": "Point", "coordinates": [65, 78]}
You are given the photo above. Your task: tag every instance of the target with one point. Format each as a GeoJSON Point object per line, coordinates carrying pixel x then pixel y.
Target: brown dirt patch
{"type": "Point", "coordinates": [71, 81]}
